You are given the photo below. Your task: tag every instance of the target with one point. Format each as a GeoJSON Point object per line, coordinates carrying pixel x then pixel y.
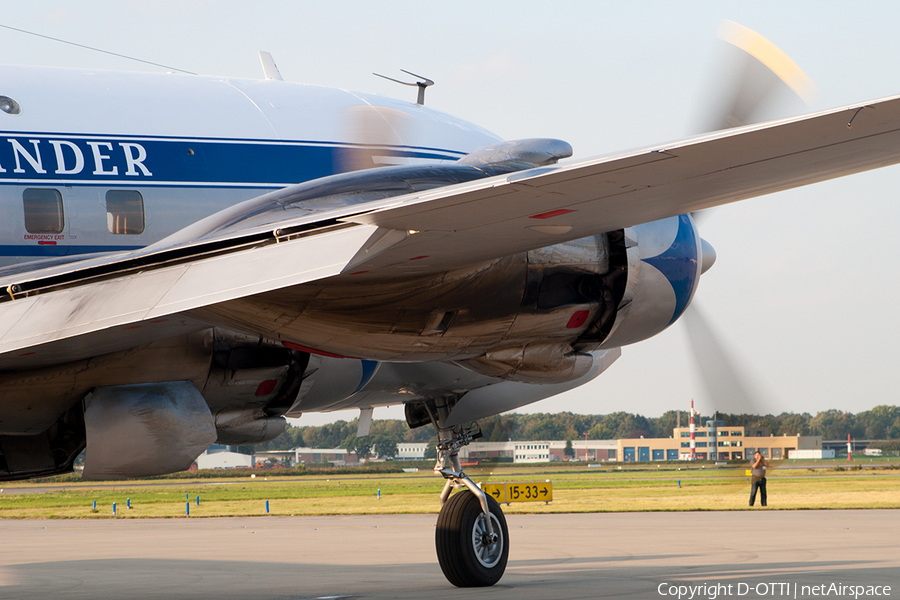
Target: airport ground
{"type": "Point", "coordinates": [567, 556]}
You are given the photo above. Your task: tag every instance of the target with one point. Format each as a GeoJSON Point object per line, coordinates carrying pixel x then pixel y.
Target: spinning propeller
{"type": "Point", "coordinates": [760, 72]}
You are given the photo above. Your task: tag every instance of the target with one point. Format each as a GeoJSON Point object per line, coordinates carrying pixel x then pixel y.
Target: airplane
{"type": "Point", "coordinates": [191, 259]}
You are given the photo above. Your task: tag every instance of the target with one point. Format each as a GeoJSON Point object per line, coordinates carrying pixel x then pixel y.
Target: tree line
{"type": "Point", "coordinates": [881, 423]}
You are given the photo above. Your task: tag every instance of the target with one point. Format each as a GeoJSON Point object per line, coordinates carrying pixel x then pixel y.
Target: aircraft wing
{"type": "Point", "coordinates": [58, 311]}
{"type": "Point", "coordinates": [544, 206]}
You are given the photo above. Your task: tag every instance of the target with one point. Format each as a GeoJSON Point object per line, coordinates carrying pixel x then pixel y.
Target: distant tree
{"type": "Point", "coordinates": [431, 450]}
{"type": "Point", "coordinates": [569, 452]}
{"type": "Point", "coordinates": [544, 427]}
{"type": "Point", "coordinates": [793, 424]}
{"type": "Point", "coordinates": [663, 426]}
{"type": "Point", "coordinates": [498, 429]}
{"type": "Point", "coordinates": [392, 428]}
{"type": "Point", "coordinates": [384, 446]}
{"type": "Point", "coordinates": [835, 425]}
{"type": "Point", "coordinates": [601, 431]}
{"type": "Point", "coordinates": [894, 431]}
{"type": "Point", "coordinates": [887, 446]}
{"type": "Point", "coordinates": [361, 446]}
{"type": "Point", "coordinates": [879, 421]}
{"type": "Point", "coordinates": [632, 426]}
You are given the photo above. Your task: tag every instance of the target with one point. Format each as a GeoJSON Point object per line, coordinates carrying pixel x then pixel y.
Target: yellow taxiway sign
{"type": "Point", "coordinates": [519, 492]}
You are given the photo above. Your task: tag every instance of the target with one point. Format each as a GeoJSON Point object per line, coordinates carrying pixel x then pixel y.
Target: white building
{"type": "Point", "coordinates": [532, 452]}
{"type": "Point", "coordinates": [815, 453]}
{"type": "Point", "coordinates": [540, 451]}
{"type": "Point", "coordinates": [223, 459]}
{"type": "Point", "coordinates": [411, 451]}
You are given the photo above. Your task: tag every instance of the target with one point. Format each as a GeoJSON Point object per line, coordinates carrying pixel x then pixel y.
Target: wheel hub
{"type": "Point", "coordinates": [488, 546]}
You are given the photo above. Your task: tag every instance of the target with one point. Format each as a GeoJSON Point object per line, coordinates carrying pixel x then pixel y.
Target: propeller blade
{"type": "Point", "coordinates": [728, 390]}
{"type": "Point", "coordinates": [760, 72]}
{"type": "Point", "coordinates": [372, 129]}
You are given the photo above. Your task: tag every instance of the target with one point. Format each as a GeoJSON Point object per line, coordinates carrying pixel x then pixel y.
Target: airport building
{"type": "Point", "coordinates": [220, 457]}
{"type": "Point", "coordinates": [411, 451]}
{"type": "Point", "coordinates": [540, 451]}
{"type": "Point", "coordinates": [716, 442]}
{"type": "Point", "coordinates": [337, 456]}
{"type": "Point", "coordinates": [713, 441]}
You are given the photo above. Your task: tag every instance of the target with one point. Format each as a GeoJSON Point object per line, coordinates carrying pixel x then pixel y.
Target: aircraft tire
{"type": "Point", "coordinates": [465, 559]}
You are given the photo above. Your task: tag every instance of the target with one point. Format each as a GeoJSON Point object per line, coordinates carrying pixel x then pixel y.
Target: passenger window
{"type": "Point", "coordinates": [43, 211]}
{"type": "Point", "coordinates": [124, 212]}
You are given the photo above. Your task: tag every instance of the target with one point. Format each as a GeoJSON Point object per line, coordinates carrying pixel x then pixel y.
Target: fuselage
{"type": "Point", "coordinates": [96, 161]}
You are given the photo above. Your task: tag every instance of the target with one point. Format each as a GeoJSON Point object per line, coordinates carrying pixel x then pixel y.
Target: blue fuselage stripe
{"type": "Point", "coordinates": [58, 250]}
{"type": "Point", "coordinates": [138, 160]}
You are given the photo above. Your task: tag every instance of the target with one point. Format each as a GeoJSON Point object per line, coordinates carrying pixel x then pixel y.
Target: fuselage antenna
{"type": "Point", "coordinates": [125, 56]}
{"type": "Point", "coordinates": [424, 83]}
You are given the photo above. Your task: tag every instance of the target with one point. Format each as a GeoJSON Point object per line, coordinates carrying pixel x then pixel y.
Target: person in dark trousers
{"type": "Point", "coordinates": [758, 478]}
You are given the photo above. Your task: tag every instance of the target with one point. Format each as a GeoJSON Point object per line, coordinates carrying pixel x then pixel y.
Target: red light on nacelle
{"type": "Point", "coordinates": [577, 319]}
{"type": "Point", "coordinates": [266, 387]}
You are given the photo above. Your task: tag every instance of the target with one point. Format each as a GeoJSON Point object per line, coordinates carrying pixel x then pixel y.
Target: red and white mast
{"type": "Point", "coordinates": [849, 448]}
{"type": "Point", "coordinates": [693, 432]}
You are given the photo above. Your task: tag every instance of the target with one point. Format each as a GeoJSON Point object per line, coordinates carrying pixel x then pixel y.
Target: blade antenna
{"type": "Point", "coordinates": [422, 84]}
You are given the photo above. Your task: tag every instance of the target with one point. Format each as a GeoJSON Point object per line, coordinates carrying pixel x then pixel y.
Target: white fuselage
{"type": "Point", "coordinates": [175, 148]}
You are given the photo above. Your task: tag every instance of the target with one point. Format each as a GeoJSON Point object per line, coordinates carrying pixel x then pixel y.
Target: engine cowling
{"type": "Point", "coordinates": [665, 260]}
{"type": "Point", "coordinates": [145, 429]}
{"type": "Point", "coordinates": [250, 386]}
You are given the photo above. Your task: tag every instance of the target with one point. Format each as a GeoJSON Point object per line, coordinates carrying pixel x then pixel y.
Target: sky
{"type": "Point", "coordinates": [805, 288]}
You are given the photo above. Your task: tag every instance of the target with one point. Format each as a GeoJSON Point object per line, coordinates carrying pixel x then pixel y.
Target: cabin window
{"type": "Point", "coordinates": [124, 212]}
{"type": "Point", "coordinates": [43, 211]}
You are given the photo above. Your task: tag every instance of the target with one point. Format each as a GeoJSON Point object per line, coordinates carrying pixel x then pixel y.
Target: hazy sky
{"type": "Point", "coordinates": [805, 288]}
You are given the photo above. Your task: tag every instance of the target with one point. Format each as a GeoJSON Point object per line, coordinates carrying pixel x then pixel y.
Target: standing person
{"type": "Point", "coordinates": [758, 478]}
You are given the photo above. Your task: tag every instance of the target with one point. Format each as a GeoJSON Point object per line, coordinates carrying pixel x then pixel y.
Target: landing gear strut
{"type": "Point", "coordinates": [471, 538]}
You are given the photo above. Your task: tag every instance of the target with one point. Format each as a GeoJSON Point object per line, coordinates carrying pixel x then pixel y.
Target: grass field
{"type": "Point", "coordinates": [607, 489]}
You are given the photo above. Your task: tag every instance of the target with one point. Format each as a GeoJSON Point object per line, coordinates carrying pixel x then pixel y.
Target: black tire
{"type": "Point", "coordinates": [465, 557]}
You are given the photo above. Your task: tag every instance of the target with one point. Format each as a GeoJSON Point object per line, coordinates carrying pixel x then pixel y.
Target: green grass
{"type": "Point", "coordinates": [574, 490]}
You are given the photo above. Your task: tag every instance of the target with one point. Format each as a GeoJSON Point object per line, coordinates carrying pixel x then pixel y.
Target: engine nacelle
{"type": "Point", "coordinates": [250, 386]}
{"type": "Point", "coordinates": [245, 387]}
{"type": "Point", "coordinates": [145, 429]}
{"type": "Point", "coordinates": [533, 363]}
{"type": "Point", "coordinates": [665, 260]}
{"type": "Point", "coordinates": [247, 427]}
